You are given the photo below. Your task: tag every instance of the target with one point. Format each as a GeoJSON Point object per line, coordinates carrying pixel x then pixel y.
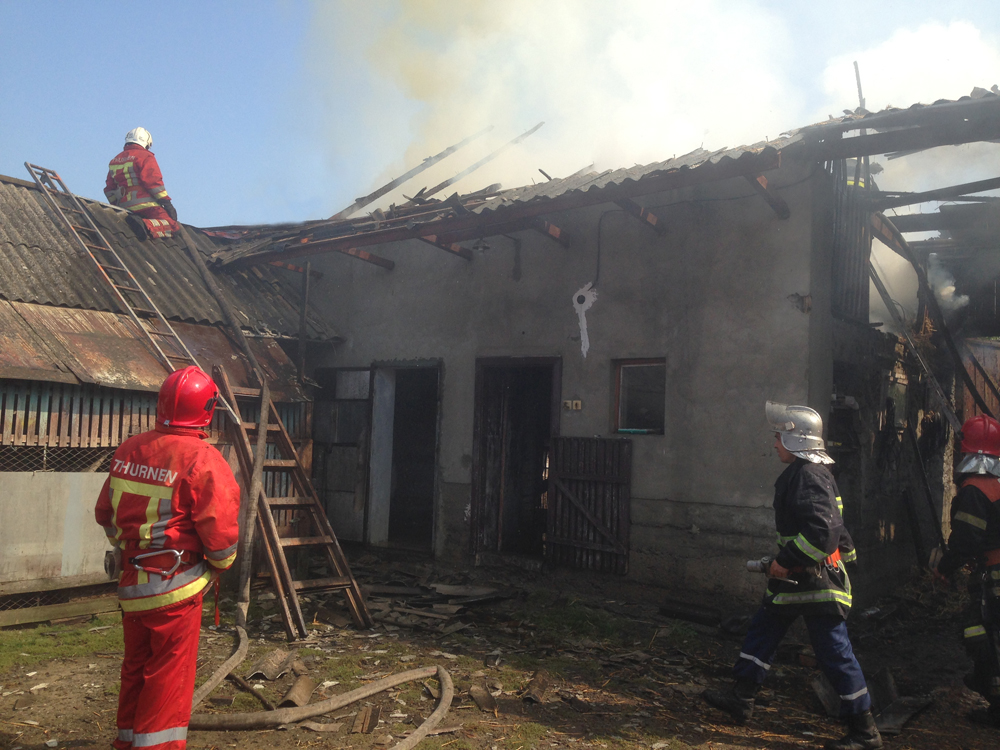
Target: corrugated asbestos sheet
{"type": "Point", "coordinates": [39, 263]}
{"type": "Point", "coordinates": [58, 344]}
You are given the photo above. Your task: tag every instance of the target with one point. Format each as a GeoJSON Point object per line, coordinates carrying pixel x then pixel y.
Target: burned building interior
{"type": "Point", "coordinates": [560, 379]}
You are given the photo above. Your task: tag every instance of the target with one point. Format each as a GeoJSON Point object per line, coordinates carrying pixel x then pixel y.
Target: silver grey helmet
{"type": "Point", "coordinates": [801, 430]}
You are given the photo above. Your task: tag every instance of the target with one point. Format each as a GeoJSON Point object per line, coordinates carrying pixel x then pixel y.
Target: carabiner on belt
{"type": "Point", "coordinates": [157, 553]}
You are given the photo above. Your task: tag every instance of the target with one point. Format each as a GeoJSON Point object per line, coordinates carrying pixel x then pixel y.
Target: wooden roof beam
{"type": "Point", "coordinates": [449, 247]}
{"type": "Point", "coordinates": [776, 202]}
{"type": "Point", "coordinates": [643, 215]}
{"type": "Point", "coordinates": [549, 230]}
{"type": "Point", "coordinates": [941, 194]}
{"type": "Point", "coordinates": [367, 257]}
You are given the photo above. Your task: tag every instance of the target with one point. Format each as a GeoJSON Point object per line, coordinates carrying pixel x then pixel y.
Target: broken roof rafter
{"type": "Point", "coordinates": [941, 194]}
{"type": "Point", "coordinates": [919, 127]}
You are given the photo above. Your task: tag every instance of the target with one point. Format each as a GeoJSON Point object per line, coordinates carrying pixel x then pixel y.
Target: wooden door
{"type": "Point", "coordinates": [588, 503]}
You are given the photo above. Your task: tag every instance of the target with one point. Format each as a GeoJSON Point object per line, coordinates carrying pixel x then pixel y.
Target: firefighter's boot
{"type": "Point", "coordinates": [737, 701]}
{"type": "Point", "coordinates": [862, 734]}
{"type": "Point", "coordinates": [138, 226]}
{"type": "Point", "coordinates": [988, 716]}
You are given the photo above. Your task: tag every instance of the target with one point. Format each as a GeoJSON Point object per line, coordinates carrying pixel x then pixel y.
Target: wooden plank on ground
{"type": "Point", "coordinates": [57, 611]}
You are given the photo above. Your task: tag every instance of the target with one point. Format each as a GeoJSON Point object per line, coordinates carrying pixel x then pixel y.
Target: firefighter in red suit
{"type": "Point", "coordinates": [169, 508]}
{"type": "Point", "coordinates": [134, 182]}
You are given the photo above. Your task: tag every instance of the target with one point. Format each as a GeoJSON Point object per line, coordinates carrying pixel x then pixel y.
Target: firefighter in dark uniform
{"type": "Point", "coordinates": [807, 578]}
{"type": "Point", "coordinates": [975, 541]}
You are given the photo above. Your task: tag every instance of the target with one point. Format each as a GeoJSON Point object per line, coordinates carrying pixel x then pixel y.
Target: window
{"type": "Point", "coordinates": [640, 389]}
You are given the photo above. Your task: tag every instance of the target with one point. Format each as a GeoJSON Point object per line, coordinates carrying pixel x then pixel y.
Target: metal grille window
{"type": "Point", "coordinates": [46, 458]}
{"type": "Point", "coordinates": [640, 396]}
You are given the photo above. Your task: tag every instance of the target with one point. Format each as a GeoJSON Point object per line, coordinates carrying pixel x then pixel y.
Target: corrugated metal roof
{"type": "Point", "coordinates": [39, 263]}
{"type": "Point", "coordinates": [59, 344]}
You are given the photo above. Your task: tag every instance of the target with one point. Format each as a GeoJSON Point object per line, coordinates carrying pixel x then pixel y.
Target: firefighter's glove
{"type": "Point", "coordinates": [113, 563]}
{"type": "Point", "coordinates": [777, 571]}
{"type": "Point", "coordinates": [168, 206]}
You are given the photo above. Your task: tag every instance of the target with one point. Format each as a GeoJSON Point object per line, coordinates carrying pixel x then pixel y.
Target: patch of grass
{"type": "Point", "coordinates": [246, 703]}
{"type": "Point", "coordinates": [30, 646]}
{"type": "Point", "coordinates": [529, 734]}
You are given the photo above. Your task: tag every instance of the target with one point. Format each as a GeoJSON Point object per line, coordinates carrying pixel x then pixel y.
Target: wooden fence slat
{"type": "Point", "coordinates": [115, 437]}
{"type": "Point", "coordinates": [31, 422]}
{"type": "Point", "coordinates": [20, 414]}
{"type": "Point", "coordinates": [86, 406]}
{"type": "Point", "coordinates": [9, 406]}
{"type": "Point", "coordinates": [74, 418]}
{"type": "Point", "coordinates": [105, 438]}
{"type": "Point", "coordinates": [44, 411]}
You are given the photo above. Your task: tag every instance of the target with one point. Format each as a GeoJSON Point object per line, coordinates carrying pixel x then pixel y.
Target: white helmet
{"type": "Point", "coordinates": [801, 430]}
{"type": "Point", "coordinates": [140, 136]}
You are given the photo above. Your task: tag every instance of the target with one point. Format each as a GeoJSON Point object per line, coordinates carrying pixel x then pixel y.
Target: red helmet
{"type": "Point", "coordinates": [981, 435]}
{"type": "Point", "coordinates": [187, 399]}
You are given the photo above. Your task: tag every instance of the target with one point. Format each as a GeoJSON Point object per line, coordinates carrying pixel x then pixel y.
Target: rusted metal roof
{"type": "Point", "coordinates": [40, 264]}
{"type": "Point", "coordinates": [58, 344]}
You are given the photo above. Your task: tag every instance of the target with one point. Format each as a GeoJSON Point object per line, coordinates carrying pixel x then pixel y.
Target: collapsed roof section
{"type": "Point", "coordinates": [493, 211]}
{"type": "Point", "coordinates": [39, 264]}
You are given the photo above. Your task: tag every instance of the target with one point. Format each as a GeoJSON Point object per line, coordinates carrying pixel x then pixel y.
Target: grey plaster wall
{"type": "Point", "coordinates": [719, 297]}
{"type": "Point", "coordinates": [47, 528]}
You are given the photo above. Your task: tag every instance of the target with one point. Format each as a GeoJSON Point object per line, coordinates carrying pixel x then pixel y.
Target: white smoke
{"type": "Point", "coordinates": [943, 284]}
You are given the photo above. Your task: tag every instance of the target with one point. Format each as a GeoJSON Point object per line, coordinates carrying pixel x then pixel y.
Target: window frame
{"type": "Point", "coordinates": [619, 366]}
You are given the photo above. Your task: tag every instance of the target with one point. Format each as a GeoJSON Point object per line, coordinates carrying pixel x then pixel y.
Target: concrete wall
{"type": "Point", "coordinates": [736, 300]}
{"type": "Point", "coordinates": [47, 529]}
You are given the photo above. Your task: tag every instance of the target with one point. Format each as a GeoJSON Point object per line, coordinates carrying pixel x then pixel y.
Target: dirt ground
{"type": "Point", "coordinates": [622, 676]}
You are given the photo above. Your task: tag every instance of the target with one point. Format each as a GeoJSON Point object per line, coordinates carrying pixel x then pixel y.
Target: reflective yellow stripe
{"type": "Point", "coordinates": [171, 597]}
{"type": "Point", "coordinates": [809, 597]}
{"type": "Point", "coordinates": [975, 631]}
{"type": "Point", "coordinates": [840, 505]}
{"type": "Point", "coordinates": [221, 564]}
{"type": "Point", "coordinates": [849, 556]}
{"type": "Point", "coordinates": [979, 523]}
{"type": "Point", "coordinates": [808, 549]}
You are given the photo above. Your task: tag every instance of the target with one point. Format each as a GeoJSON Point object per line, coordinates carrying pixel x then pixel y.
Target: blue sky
{"type": "Point", "coordinates": [285, 111]}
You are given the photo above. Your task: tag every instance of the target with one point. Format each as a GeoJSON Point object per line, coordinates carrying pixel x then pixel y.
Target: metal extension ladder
{"type": "Point", "coordinates": [169, 347]}
{"type": "Point", "coordinates": [301, 509]}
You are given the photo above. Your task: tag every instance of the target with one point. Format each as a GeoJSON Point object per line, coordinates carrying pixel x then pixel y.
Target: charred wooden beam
{"type": "Point", "coordinates": [776, 202]}
{"type": "Point", "coordinates": [450, 247]}
{"type": "Point", "coordinates": [499, 220]}
{"type": "Point", "coordinates": [913, 138]}
{"type": "Point", "coordinates": [642, 214]}
{"type": "Point", "coordinates": [941, 194]}
{"type": "Point", "coordinates": [549, 230]}
{"type": "Point", "coordinates": [884, 230]}
{"type": "Point", "coordinates": [388, 187]}
{"type": "Point", "coordinates": [485, 160]}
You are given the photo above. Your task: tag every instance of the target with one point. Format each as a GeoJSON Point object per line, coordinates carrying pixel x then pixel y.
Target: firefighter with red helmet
{"type": "Point", "coordinates": [169, 508]}
{"type": "Point", "coordinates": [975, 540]}
{"type": "Point", "coordinates": [134, 182]}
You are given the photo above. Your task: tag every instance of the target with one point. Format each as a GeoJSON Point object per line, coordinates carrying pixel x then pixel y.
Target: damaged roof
{"type": "Point", "coordinates": [40, 264]}
{"type": "Point", "coordinates": [490, 212]}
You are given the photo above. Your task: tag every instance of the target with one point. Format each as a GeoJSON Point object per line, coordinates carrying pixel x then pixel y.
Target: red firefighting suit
{"type": "Point", "coordinates": [134, 182]}
{"type": "Point", "coordinates": [170, 491]}
{"type": "Point", "coordinates": [975, 539]}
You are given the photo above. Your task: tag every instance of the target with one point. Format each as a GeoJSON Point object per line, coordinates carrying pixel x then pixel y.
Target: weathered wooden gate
{"type": "Point", "coordinates": [588, 503]}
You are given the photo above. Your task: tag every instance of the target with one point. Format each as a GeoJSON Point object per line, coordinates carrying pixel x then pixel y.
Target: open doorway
{"type": "Point", "coordinates": [403, 457]}
{"type": "Point", "coordinates": [414, 456]}
{"type": "Point", "coordinates": [516, 417]}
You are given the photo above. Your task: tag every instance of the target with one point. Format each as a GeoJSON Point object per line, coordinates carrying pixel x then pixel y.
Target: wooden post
{"type": "Point", "coordinates": [253, 495]}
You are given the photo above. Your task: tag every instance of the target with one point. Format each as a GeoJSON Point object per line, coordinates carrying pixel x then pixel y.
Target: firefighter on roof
{"type": "Point", "coordinates": [808, 578]}
{"type": "Point", "coordinates": [169, 508]}
{"type": "Point", "coordinates": [134, 182]}
{"type": "Point", "coordinates": [975, 540]}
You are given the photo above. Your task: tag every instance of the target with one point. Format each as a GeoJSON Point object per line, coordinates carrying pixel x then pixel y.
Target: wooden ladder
{"type": "Point", "coordinates": [303, 505]}
{"type": "Point", "coordinates": [167, 345]}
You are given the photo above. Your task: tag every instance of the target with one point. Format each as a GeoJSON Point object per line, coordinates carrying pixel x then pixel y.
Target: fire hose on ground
{"type": "Point", "coordinates": [271, 719]}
